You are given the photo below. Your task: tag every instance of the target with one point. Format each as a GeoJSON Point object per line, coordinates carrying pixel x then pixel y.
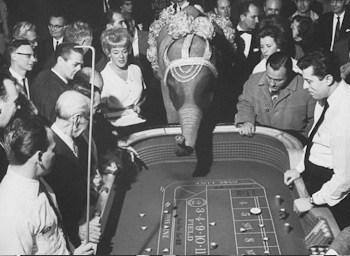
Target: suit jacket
{"type": "Point", "coordinates": [292, 111]}
{"type": "Point", "coordinates": [45, 50]}
{"type": "Point", "coordinates": [325, 29]}
{"type": "Point", "coordinates": [254, 55]}
{"type": "Point", "coordinates": [44, 92]}
{"type": "Point", "coordinates": [68, 181]}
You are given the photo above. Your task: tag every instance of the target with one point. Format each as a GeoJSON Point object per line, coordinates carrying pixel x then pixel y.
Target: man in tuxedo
{"type": "Point", "coordinates": [22, 60]}
{"type": "Point", "coordinates": [334, 26]}
{"type": "Point", "coordinates": [51, 83]}
{"type": "Point", "coordinates": [56, 26]}
{"type": "Point", "coordinates": [69, 176]}
{"type": "Point", "coordinates": [249, 43]}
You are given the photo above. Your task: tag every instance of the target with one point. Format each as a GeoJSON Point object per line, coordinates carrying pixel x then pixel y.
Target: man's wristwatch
{"type": "Point", "coordinates": [312, 200]}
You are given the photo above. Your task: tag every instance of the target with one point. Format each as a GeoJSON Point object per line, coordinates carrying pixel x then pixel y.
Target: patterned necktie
{"type": "Point", "coordinates": [313, 132]}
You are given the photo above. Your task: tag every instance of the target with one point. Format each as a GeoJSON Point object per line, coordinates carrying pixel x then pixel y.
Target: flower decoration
{"type": "Point", "coordinates": [180, 24]}
{"type": "Point", "coordinates": [202, 27]}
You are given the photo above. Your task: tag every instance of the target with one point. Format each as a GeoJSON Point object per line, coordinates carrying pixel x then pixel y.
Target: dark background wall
{"type": "Point", "coordinates": [91, 11]}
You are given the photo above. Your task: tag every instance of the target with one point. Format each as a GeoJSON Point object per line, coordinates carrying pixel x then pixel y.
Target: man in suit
{"type": "Point", "coordinates": [248, 43]}
{"type": "Point", "coordinates": [22, 60]}
{"type": "Point", "coordinates": [56, 26]}
{"type": "Point", "coordinates": [69, 176]}
{"type": "Point", "coordinates": [334, 26]}
{"type": "Point", "coordinates": [51, 83]}
{"type": "Point", "coordinates": [276, 98]}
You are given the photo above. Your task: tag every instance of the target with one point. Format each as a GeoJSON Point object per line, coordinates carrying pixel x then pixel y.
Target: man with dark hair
{"type": "Point", "coordinates": [275, 98]}
{"type": "Point", "coordinates": [22, 60]}
{"type": "Point", "coordinates": [115, 19]}
{"type": "Point", "coordinates": [49, 84]}
{"type": "Point", "coordinates": [30, 221]}
{"type": "Point", "coordinates": [8, 107]}
{"type": "Point", "coordinates": [56, 26]}
{"type": "Point", "coordinates": [248, 41]}
{"type": "Point", "coordinates": [325, 166]}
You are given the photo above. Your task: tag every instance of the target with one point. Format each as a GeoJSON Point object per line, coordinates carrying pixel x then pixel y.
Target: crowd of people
{"type": "Point", "coordinates": [287, 72]}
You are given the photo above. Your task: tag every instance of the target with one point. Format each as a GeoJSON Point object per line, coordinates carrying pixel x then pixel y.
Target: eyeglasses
{"type": "Point", "coordinates": [55, 26]}
{"type": "Point", "coordinates": [28, 55]}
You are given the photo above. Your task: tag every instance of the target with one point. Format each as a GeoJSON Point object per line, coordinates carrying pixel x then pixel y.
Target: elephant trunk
{"type": "Point", "coordinates": [190, 119]}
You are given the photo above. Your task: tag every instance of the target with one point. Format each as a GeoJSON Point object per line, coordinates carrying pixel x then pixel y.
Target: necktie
{"type": "Point", "coordinates": [57, 213]}
{"type": "Point", "coordinates": [337, 29]}
{"type": "Point", "coordinates": [313, 132]}
{"type": "Point", "coordinates": [57, 43]}
{"type": "Point", "coordinates": [25, 87]}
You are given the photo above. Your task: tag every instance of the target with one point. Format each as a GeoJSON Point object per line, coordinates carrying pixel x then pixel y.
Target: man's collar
{"type": "Point", "coordinates": [341, 15]}
{"type": "Point", "coordinates": [64, 137]}
{"type": "Point", "coordinates": [16, 75]}
{"type": "Point", "coordinates": [61, 77]}
{"type": "Point", "coordinates": [337, 92]}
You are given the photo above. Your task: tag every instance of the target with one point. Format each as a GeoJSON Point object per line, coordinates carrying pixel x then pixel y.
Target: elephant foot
{"type": "Point", "coordinates": [182, 149]}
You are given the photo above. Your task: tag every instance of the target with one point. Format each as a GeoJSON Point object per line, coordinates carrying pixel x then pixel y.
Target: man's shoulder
{"type": "Point", "coordinates": [256, 79]}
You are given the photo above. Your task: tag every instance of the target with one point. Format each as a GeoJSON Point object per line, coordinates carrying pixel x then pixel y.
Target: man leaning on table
{"type": "Point", "coordinates": [325, 167]}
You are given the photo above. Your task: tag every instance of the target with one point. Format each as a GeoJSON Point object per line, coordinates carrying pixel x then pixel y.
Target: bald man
{"type": "Point", "coordinates": [69, 176]}
{"type": "Point", "coordinates": [273, 7]}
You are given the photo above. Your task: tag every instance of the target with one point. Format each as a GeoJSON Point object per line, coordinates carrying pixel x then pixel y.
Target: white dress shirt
{"type": "Point", "coordinates": [22, 81]}
{"type": "Point", "coordinates": [331, 146]}
{"type": "Point", "coordinates": [56, 42]}
{"type": "Point", "coordinates": [335, 20]}
{"type": "Point", "coordinates": [247, 38]}
{"type": "Point", "coordinates": [65, 138]}
{"type": "Point", "coordinates": [135, 44]}
{"type": "Point", "coordinates": [28, 224]}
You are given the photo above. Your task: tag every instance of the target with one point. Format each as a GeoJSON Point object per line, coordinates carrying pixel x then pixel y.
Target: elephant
{"type": "Point", "coordinates": [188, 76]}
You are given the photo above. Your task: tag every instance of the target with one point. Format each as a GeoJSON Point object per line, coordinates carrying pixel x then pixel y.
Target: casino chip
{"type": "Point", "coordinates": [255, 210]}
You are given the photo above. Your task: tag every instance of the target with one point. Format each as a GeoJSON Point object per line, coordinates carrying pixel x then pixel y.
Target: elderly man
{"type": "Point", "coordinates": [49, 84]}
{"type": "Point", "coordinates": [275, 98]}
{"type": "Point", "coordinates": [30, 220]}
{"type": "Point", "coordinates": [22, 60]}
{"type": "Point", "coordinates": [325, 167]}
{"type": "Point", "coordinates": [69, 176]}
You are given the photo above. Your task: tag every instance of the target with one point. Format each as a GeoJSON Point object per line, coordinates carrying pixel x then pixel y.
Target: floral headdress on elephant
{"type": "Point", "coordinates": [186, 22]}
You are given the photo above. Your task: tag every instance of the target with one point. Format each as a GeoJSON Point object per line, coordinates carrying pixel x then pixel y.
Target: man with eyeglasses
{"type": "Point", "coordinates": [51, 83]}
{"type": "Point", "coordinates": [22, 60]}
{"type": "Point", "coordinates": [56, 26]}
{"type": "Point", "coordinates": [69, 176]}
{"type": "Point", "coordinates": [276, 98]}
